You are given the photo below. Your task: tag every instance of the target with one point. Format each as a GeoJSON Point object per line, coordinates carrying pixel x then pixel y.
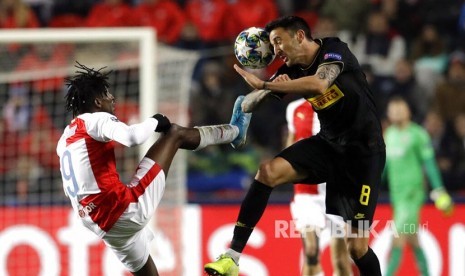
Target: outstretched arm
{"type": "Point", "coordinates": [132, 135]}
{"type": "Point", "coordinates": [136, 134]}
{"type": "Point", "coordinates": [315, 84]}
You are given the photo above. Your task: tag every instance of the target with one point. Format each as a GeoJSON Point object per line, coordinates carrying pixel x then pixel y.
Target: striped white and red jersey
{"type": "Point", "coordinates": [302, 122]}
{"type": "Point", "coordinates": [88, 167]}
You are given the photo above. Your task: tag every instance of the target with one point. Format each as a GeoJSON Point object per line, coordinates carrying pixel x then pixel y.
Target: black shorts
{"type": "Point", "coordinates": [352, 180]}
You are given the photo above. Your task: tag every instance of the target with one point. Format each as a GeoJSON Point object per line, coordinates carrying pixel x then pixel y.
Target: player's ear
{"type": "Point", "coordinates": [300, 35]}
{"type": "Point", "coordinates": [98, 102]}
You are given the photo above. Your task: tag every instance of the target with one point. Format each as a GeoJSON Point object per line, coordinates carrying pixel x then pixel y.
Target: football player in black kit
{"type": "Point", "coordinates": [348, 153]}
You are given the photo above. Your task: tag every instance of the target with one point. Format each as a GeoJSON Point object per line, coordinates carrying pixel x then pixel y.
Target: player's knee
{"type": "Point", "coordinates": [312, 260]}
{"type": "Point", "coordinates": [175, 132]}
{"type": "Point", "coordinates": [311, 251]}
{"type": "Point", "coordinates": [267, 176]}
{"type": "Point", "coordinates": [357, 248]}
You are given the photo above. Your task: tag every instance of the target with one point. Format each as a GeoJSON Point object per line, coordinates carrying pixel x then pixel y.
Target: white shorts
{"type": "Point", "coordinates": [129, 238]}
{"type": "Point", "coordinates": [309, 211]}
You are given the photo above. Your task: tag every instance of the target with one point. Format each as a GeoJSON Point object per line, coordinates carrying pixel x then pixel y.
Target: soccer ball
{"type": "Point", "coordinates": [253, 48]}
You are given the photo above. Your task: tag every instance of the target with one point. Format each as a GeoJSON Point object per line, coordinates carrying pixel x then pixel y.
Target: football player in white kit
{"type": "Point", "coordinates": [118, 212]}
{"type": "Point", "coordinates": [308, 205]}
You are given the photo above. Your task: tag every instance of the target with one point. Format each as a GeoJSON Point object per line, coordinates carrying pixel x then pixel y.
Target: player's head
{"type": "Point", "coordinates": [291, 24]}
{"type": "Point", "coordinates": [398, 111]}
{"type": "Point", "coordinates": [287, 35]}
{"type": "Point", "coordinates": [88, 92]}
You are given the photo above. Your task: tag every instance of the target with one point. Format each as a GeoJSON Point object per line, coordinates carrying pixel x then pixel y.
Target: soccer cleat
{"type": "Point", "coordinates": [242, 121]}
{"type": "Point", "coordinates": [224, 266]}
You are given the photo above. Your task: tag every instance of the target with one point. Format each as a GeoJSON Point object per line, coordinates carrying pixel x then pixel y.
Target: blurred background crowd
{"type": "Point", "coordinates": [411, 48]}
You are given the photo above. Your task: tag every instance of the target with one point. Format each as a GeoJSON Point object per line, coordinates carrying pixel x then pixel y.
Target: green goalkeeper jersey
{"type": "Point", "coordinates": [407, 150]}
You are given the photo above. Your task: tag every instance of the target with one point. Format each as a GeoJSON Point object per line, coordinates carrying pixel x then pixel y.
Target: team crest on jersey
{"type": "Point", "coordinates": [330, 97]}
{"type": "Point", "coordinates": [332, 56]}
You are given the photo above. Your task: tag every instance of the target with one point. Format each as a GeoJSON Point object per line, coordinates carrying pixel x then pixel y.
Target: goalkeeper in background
{"type": "Point", "coordinates": [408, 151]}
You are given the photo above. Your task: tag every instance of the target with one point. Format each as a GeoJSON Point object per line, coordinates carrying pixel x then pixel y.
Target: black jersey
{"type": "Point", "coordinates": [346, 110]}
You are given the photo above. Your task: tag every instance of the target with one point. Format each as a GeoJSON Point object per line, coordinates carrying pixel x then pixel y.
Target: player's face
{"type": "Point", "coordinates": [398, 112]}
{"type": "Point", "coordinates": [285, 45]}
{"type": "Point", "coordinates": [107, 103]}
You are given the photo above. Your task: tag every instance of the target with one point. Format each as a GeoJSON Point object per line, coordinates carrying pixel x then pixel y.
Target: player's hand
{"type": "Point", "coordinates": [442, 201]}
{"type": "Point", "coordinates": [164, 123]}
{"type": "Point", "coordinates": [281, 78]}
{"type": "Point", "coordinates": [250, 78]}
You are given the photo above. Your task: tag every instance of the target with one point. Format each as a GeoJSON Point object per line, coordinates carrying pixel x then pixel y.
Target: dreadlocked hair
{"type": "Point", "coordinates": [84, 87]}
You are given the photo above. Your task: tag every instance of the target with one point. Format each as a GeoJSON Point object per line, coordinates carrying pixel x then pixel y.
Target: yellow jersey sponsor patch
{"type": "Point", "coordinates": [330, 97]}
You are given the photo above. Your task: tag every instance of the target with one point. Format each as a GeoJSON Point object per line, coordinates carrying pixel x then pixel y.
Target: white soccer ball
{"type": "Point", "coordinates": [253, 48]}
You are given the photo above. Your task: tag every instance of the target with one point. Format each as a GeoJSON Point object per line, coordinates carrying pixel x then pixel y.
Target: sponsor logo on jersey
{"type": "Point", "coordinates": [330, 97]}
{"type": "Point", "coordinates": [85, 210]}
{"type": "Point", "coordinates": [332, 56]}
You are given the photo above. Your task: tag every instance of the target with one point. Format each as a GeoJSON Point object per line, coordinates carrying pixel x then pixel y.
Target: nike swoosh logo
{"type": "Point", "coordinates": [359, 216]}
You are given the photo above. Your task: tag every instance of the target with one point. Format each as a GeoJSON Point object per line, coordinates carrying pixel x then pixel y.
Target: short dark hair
{"type": "Point", "coordinates": [290, 23]}
{"type": "Point", "coordinates": [84, 87]}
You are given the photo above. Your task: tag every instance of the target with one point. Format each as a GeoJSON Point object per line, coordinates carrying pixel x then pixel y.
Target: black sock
{"type": "Point", "coordinates": [368, 264]}
{"type": "Point", "coordinates": [251, 211]}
